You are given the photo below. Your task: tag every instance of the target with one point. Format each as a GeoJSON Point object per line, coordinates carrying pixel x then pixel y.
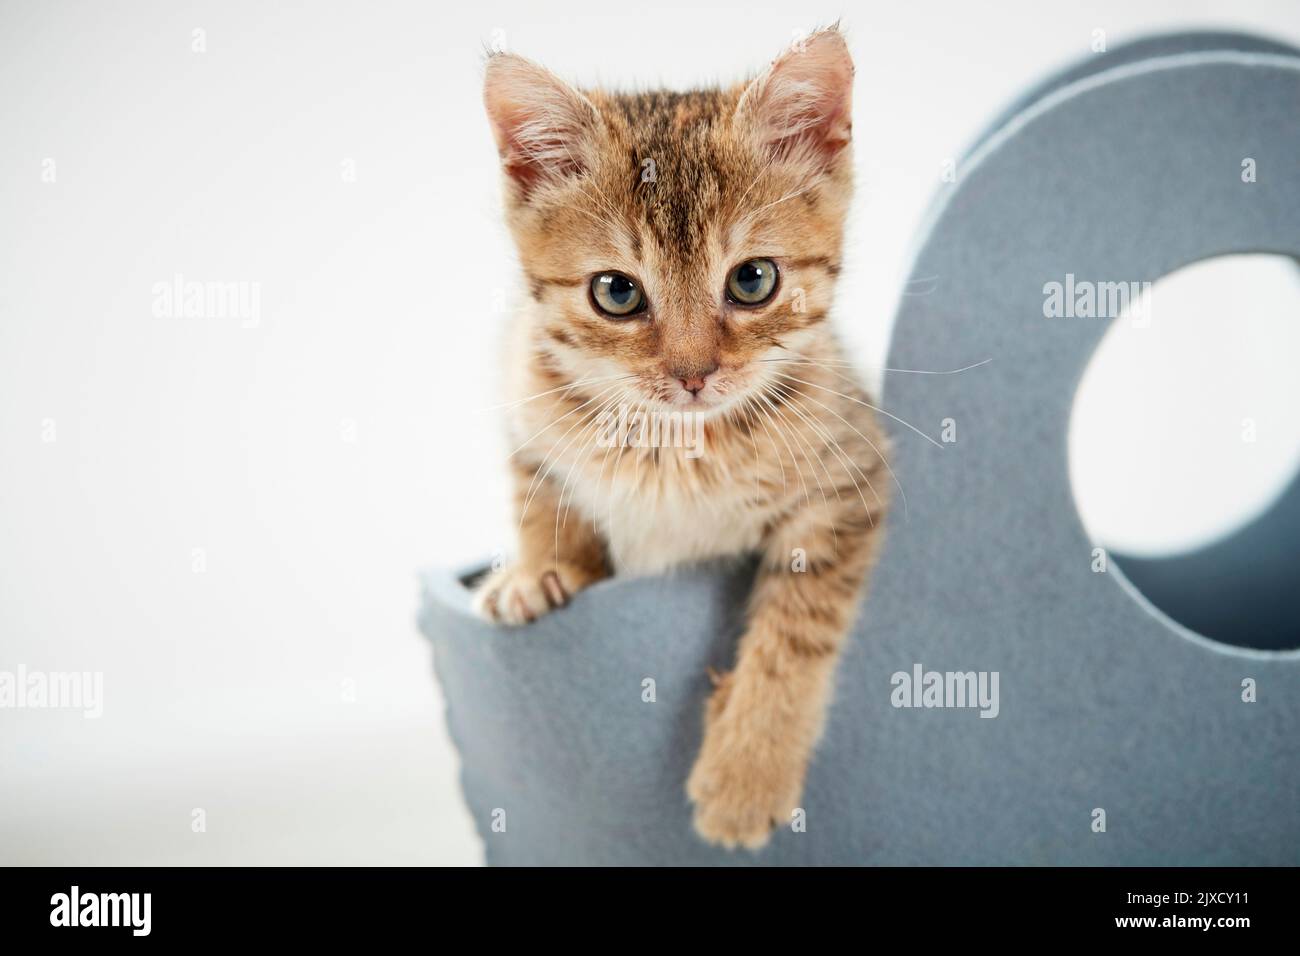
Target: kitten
{"type": "Point", "coordinates": [681, 251]}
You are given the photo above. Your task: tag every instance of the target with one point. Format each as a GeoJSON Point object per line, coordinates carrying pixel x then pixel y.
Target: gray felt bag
{"type": "Point", "coordinates": [1126, 167]}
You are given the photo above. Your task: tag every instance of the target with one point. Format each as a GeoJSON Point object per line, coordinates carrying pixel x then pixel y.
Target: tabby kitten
{"type": "Point", "coordinates": [681, 251]}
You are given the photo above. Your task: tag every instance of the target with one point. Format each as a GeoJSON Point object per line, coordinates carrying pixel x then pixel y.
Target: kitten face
{"type": "Point", "coordinates": [679, 240]}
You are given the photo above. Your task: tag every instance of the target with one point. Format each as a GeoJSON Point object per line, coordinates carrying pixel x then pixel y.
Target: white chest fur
{"type": "Point", "coordinates": [647, 537]}
{"type": "Point", "coordinates": [655, 520]}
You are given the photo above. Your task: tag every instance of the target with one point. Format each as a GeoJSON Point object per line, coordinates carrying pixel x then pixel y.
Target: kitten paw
{"type": "Point", "coordinates": [519, 594]}
{"type": "Point", "coordinates": [743, 786]}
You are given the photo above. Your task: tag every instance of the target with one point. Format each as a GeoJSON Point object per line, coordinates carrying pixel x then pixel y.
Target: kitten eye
{"type": "Point", "coordinates": [616, 295]}
{"type": "Point", "coordinates": [752, 282]}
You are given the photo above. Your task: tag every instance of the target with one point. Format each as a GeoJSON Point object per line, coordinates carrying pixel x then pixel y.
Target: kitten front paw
{"type": "Point", "coordinates": [520, 593]}
{"type": "Point", "coordinates": [743, 785]}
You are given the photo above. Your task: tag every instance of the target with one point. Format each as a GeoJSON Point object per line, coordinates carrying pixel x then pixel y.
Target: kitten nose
{"type": "Point", "coordinates": [693, 373]}
{"type": "Point", "coordinates": [692, 376]}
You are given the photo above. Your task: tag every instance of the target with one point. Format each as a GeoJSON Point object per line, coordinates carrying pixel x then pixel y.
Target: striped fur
{"type": "Point", "coordinates": [675, 190]}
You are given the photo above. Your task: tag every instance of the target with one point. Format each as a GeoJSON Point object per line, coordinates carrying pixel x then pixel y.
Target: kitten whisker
{"type": "Point", "coordinates": [793, 458]}
{"type": "Point", "coordinates": [859, 401]}
{"type": "Point", "coordinates": [534, 486]}
{"type": "Point", "coordinates": [832, 363]}
{"type": "Point", "coordinates": [561, 509]}
{"type": "Point", "coordinates": [780, 459]}
{"type": "Point", "coordinates": [539, 479]}
{"type": "Point", "coordinates": [884, 460]}
{"type": "Point", "coordinates": [747, 411]}
{"type": "Point", "coordinates": [879, 454]}
{"type": "Point", "coordinates": [581, 460]}
{"type": "Point", "coordinates": [551, 391]}
{"type": "Point", "coordinates": [841, 456]}
{"type": "Point", "coordinates": [556, 454]}
{"type": "Point", "coordinates": [867, 404]}
{"type": "Point", "coordinates": [846, 460]}
{"type": "Point", "coordinates": [951, 371]}
{"type": "Point", "coordinates": [810, 458]}
{"type": "Point", "coordinates": [557, 421]}
{"type": "Point", "coordinates": [600, 478]}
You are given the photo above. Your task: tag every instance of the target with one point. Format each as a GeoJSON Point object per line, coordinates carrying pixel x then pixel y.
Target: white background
{"type": "Point", "coordinates": [284, 690]}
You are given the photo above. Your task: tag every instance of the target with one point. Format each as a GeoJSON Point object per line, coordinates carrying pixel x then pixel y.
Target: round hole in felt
{"type": "Point", "coordinates": [1184, 447]}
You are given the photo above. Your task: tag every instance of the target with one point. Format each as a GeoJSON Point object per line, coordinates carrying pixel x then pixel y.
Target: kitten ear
{"type": "Point", "coordinates": [541, 124]}
{"type": "Point", "coordinates": [801, 108]}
